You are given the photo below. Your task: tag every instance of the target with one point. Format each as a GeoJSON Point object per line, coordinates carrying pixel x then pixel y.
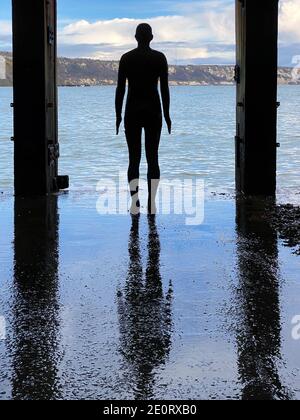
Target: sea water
{"type": "Point", "coordinates": [201, 145]}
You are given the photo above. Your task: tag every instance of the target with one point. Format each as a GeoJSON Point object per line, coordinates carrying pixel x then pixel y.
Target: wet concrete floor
{"type": "Point", "coordinates": [110, 307]}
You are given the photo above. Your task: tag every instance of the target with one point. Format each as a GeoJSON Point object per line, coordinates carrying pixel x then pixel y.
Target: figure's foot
{"type": "Point", "coordinates": [135, 208]}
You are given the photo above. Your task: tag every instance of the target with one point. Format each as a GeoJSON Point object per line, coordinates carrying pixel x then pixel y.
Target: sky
{"type": "Point", "coordinates": [188, 32]}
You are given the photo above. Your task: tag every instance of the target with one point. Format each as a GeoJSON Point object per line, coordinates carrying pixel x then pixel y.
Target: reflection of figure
{"type": "Point", "coordinates": [259, 333]}
{"type": "Point", "coordinates": [35, 305]}
{"type": "Point", "coordinates": [145, 313]}
{"type": "Point", "coordinates": [143, 68]}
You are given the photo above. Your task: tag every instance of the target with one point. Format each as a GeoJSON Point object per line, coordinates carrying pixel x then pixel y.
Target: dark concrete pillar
{"type": "Point", "coordinates": [256, 77]}
{"type": "Point", "coordinates": [35, 97]}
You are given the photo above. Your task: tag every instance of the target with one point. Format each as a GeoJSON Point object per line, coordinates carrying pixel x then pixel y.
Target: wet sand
{"type": "Point", "coordinates": [110, 307]}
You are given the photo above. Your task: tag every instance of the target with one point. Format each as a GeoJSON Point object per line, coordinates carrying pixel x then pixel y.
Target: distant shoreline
{"type": "Point", "coordinates": [4, 85]}
{"type": "Point", "coordinates": [171, 85]}
{"type": "Point", "coordinates": [79, 72]}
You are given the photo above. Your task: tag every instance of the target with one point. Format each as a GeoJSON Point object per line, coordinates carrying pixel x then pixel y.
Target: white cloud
{"type": "Point", "coordinates": [5, 35]}
{"type": "Point", "coordinates": [5, 28]}
{"type": "Point", "coordinates": [182, 37]}
{"type": "Point", "coordinates": [289, 22]}
{"type": "Point", "coordinates": [199, 31]}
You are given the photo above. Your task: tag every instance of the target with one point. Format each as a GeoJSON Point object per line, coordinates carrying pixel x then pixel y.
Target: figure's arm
{"type": "Point", "coordinates": [120, 93]}
{"type": "Point", "coordinates": [165, 93]}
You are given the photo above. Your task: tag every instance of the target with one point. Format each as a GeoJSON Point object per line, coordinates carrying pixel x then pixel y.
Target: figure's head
{"type": "Point", "coordinates": [144, 34]}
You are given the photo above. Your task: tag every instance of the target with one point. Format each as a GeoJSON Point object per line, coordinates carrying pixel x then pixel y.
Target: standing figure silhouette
{"type": "Point", "coordinates": [143, 67]}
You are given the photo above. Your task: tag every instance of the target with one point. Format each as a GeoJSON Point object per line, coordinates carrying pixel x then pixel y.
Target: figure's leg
{"type": "Point", "coordinates": [134, 143]}
{"type": "Point", "coordinates": [152, 140]}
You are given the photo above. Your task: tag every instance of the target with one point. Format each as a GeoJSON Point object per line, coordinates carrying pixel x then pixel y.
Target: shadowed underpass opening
{"type": "Point", "coordinates": [197, 300]}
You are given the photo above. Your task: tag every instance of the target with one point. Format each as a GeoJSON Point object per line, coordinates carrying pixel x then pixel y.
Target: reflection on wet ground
{"type": "Point", "coordinates": [33, 345]}
{"type": "Point", "coordinates": [286, 220]}
{"type": "Point", "coordinates": [148, 308]}
{"type": "Point", "coordinates": [145, 314]}
{"type": "Point", "coordinates": [259, 331]}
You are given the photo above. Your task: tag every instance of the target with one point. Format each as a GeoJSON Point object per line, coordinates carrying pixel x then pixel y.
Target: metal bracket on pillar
{"type": "Point", "coordinates": [51, 35]}
{"type": "Point", "coordinates": [237, 74]}
{"type": "Point", "coordinates": [238, 140]}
